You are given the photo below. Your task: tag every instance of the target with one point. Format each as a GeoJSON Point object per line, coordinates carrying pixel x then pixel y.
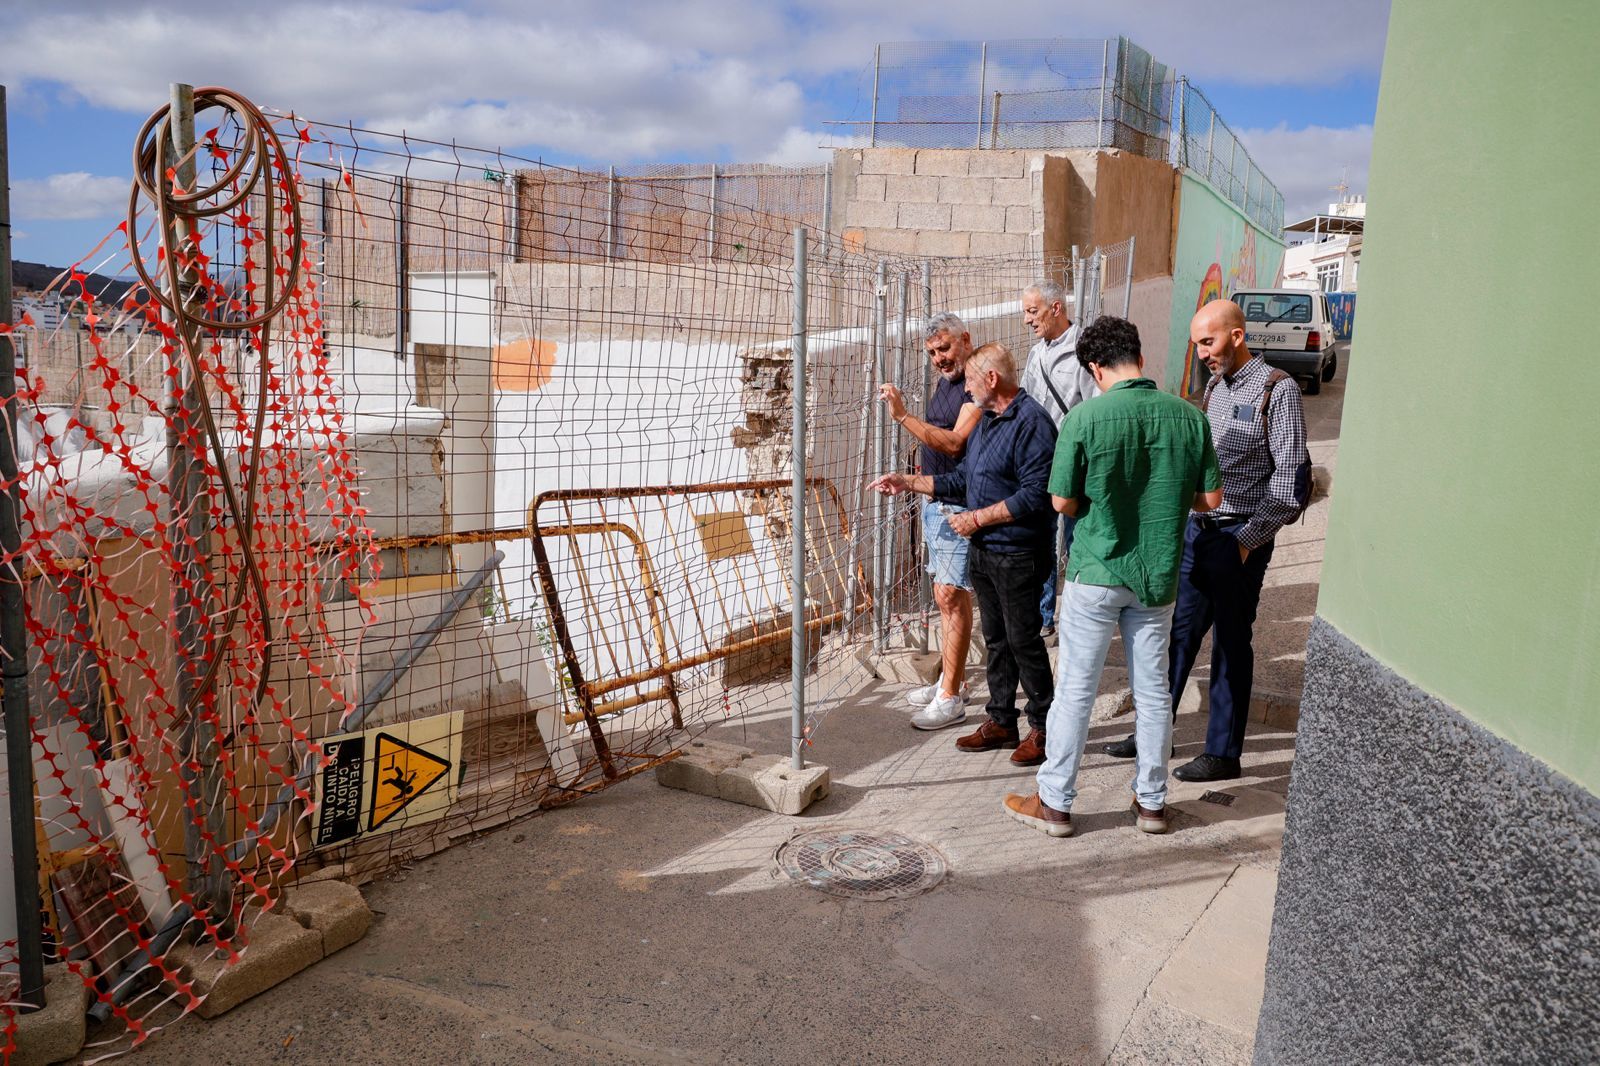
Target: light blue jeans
{"type": "Point", "coordinates": [1092, 613]}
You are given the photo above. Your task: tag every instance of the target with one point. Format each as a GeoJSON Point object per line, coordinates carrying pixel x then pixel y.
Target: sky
{"type": "Point", "coordinates": [629, 81]}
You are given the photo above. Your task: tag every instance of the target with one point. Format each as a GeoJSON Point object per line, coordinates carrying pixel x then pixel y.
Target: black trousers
{"type": "Point", "coordinates": [1007, 587]}
{"type": "Point", "coordinates": [1219, 594]}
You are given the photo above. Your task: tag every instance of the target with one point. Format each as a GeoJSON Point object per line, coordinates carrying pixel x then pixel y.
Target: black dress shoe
{"type": "Point", "coordinates": [1208, 768]}
{"type": "Point", "coordinates": [1122, 749]}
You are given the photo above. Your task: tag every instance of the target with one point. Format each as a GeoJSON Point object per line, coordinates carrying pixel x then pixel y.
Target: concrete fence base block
{"type": "Point", "coordinates": [280, 947]}
{"type": "Point", "coordinates": [907, 667]}
{"type": "Point", "coordinates": [332, 909]}
{"type": "Point", "coordinates": [739, 775]}
{"type": "Point", "coordinates": [54, 1032]}
{"type": "Point", "coordinates": [769, 782]}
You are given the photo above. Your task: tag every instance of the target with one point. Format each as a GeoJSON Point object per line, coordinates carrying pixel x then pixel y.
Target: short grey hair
{"type": "Point", "coordinates": [944, 322]}
{"type": "Point", "coordinates": [1051, 292]}
{"type": "Point", "coordinates": [996, 357]}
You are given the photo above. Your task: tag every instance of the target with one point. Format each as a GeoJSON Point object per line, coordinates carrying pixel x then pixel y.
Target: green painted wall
{"type": "Point", "coordinates": [1464, 540]}
{"type": "Point", "coordinates": [1218, 250]}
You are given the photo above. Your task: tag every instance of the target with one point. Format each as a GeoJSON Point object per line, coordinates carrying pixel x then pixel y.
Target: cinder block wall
{"type": "Point", "coordinates": [940, 201]}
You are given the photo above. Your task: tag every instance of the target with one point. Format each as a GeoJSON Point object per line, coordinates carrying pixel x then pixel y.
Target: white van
{"type": "Point", "coordinates": [1292, 330]}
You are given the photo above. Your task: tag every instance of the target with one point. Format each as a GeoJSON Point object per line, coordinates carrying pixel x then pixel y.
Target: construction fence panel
{"type": "Point", "coordinates": [470, 475]}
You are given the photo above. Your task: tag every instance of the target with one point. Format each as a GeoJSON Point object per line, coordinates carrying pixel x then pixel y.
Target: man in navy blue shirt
{"type": "Point", "coordinates": [1004, 478]}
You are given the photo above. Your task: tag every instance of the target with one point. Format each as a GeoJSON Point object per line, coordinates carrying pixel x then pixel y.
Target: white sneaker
{"type": "Point", "coordinates": [921, 697]}
{"type": "Point", "coordinates": [941, 711]}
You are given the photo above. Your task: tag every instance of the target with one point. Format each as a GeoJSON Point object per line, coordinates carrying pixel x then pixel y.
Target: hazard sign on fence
{"type": "Point", "coordinates": [387, 778]}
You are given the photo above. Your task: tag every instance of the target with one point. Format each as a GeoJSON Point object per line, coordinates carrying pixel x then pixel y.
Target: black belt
{"type": "Point", "coordinates": [1220, 521]}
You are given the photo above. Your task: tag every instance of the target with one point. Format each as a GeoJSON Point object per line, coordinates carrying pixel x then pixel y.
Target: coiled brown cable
{"type": "Point", "coordinates": [257, 153]}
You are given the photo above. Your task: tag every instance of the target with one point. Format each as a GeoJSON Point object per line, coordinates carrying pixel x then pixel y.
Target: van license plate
{"type": "Point", "coordinates": [1263, 339]}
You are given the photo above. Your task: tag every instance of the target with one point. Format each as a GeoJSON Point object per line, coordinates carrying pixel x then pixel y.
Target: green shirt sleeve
{"type": "Point", "coordinates": [1210, 472]}
{"type": "Point", "coordinates": [1068, 471]}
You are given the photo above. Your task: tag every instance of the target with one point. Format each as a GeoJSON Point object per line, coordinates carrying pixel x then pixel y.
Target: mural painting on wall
{"type": "Point", "coordinates": [1342, 310]}
{"type": "Point", "coordinates": [1241, 273]}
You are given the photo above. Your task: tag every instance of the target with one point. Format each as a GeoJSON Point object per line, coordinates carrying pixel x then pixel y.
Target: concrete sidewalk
{"type": "Point", "coordinates": [646, 925]}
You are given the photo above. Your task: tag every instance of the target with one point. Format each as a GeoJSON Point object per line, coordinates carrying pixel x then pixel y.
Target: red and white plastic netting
{"type": "Point", "coordinates": [189, 512]}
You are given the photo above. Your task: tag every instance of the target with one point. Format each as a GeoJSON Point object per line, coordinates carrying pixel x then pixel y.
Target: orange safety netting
{"type": "Point", "coordinates": [189, 510]}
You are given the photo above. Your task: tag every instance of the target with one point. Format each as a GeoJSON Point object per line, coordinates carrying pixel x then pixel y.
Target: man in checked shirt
{"type": "Point", "coordinates": [1225, 553]}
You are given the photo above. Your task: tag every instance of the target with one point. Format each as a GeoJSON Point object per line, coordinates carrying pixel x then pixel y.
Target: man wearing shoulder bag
{"type": "Point", "coordinates": [1258, 427]}
{"type": "Point", "coordinates": [1055, 379]}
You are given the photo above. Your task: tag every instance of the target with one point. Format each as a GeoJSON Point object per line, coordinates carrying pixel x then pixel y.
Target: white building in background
{"type": "Point", "coordinates": [1325, 250]}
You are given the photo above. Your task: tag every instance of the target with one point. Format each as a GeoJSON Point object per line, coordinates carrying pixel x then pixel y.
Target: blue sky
{"type": "Point", "coordinates": [573, 82]}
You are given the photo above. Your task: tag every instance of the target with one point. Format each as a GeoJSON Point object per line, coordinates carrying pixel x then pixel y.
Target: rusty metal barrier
{"type": "Point", "coordinates": [713, 607]}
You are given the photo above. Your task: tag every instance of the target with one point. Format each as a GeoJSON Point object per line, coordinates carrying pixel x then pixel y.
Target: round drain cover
{"type": "Point", "coordinates": [861, 863]}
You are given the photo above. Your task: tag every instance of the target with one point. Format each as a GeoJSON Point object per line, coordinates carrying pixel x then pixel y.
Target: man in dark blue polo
{"type": "Point", "coordinates": [1004, 478]}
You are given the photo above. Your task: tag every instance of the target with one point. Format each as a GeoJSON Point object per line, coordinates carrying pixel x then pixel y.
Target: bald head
{"type": "Point", "coordinates": [1217, 332]}
{"type": "Point", "coordinates": [1223, 313]}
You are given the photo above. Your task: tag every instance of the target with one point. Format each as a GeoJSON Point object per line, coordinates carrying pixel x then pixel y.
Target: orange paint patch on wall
{"type": "Point", "coordinates": [524, 366]}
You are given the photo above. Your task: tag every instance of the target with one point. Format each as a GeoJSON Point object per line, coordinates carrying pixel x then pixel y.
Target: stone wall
{"type": "Point", "coordinates": [940, 202]}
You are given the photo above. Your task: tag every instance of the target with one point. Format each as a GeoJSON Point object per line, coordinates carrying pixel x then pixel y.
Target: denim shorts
{"type": "Point", "coordinates": [947, 549]}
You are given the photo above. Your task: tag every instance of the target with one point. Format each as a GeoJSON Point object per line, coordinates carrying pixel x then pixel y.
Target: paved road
{"type": "Point", "coordinates": [645, 925]}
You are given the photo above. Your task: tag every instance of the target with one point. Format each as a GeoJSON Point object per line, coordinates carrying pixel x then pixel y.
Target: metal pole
{"type": "Point", "coordinates": [711, 251]}
{"type": "Point", "coordinates": [1181, 149]}
{"type": "Point", "coordinates": [827, 209]}
{"type": "Point", "coordinates": [983, 86]}
{"type": "Point", "coordinates": [798, 640]}
{"type": "Point", "coordinates": [897, 550]}
{"type": "Point", "coordinates": [14, 639]}
{"type": "Point", "coordinates": [1100, 127]}
{"type": "Point", "coordinates": [1077, 287]}
{"type": "Point", "coordinates": [879, 459]}
{"type": "Point", "coordinates": [925, 586]}
{"type": "Point", "coordinates": [1127, 291]}
{"type": "Point", "coordinates": [877, 63]}
{"type": "Point", "coordinates": [190, 511]}
{"type": "Point", "coordinates": [611, 212]}
{"type": "Point", "coordinates": [1211, 145]}
{"type": "Point", "coordinates": [402, 267]}
{"type": "Point", "coordinates": [994, 122]}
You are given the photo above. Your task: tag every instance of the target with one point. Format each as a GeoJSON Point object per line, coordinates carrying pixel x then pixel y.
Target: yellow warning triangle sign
{"type": "Point", "coordinates": [400, 773]}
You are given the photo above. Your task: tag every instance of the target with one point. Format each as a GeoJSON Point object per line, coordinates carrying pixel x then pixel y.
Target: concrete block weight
{"type": "Point", "coordinates": [55, 1032]}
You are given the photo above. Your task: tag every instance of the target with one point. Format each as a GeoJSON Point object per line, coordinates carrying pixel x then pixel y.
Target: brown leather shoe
{"type": "Point", "coordinates": [1149, 821]}
{"type": "Point", "coordinates": [988, 737]}
{"type": "Point", "coordinates": [1031, 751]}
{"type": "Point", "coordinates": [1035, 813]}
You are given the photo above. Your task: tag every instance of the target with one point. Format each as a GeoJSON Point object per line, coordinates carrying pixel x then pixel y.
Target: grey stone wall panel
{"type": "Point", "coordinates": [1439, 895]}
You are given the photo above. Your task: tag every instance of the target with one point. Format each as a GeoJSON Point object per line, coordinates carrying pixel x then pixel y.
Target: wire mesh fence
{"type": "Point", "coordinates": [1206, 145]}
{"type": "Point", "coordinates": [394, 504]}
{"type": "Point", "coordinates": [1061, 93]}
{"type": "Point", "coordinates": [1057, 93]}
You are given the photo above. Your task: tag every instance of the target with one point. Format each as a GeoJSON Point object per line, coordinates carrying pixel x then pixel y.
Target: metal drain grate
{"type": "Point", "coordinates": [860, 863]}
{"type": "Point", "coordinates": [1221, 799]}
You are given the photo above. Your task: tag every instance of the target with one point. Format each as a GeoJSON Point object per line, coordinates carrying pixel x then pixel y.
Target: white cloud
{"type": "Point", "coordinates": [62, 197]}
{"type": "Point", "coordinates": [1306, 164]}
{"type": "Point", "coordinates": [798, 147]}
{"type": "Point", "coordinates": [636, 80]}
{"type": "Point", "coordinates": [562, 79]}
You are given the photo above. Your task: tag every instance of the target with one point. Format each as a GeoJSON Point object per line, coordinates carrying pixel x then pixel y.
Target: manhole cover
{"type": "Point", "coordinates": [861, 863]}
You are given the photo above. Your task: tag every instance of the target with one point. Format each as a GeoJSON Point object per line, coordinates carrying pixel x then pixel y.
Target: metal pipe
{"type": "Point", "coordinates": [880, 458]}
{"type": "Point", "coordinates": [1180, 153]}
{"type": "Point", "coordinates": [925, 585]}
{"type": "Point", "coordinates": [711, 249]}
{"type": "Point", "coordinates": [369, 701]}
{"type": "Point", "coordinates": [611, 212]}
{"type": "Point", "coordinates": [797, 524]}
{"type": "Point", "coordinates": [827, 209]}
{"type": "Point", "coordinates": [14, 639]}
{"type": "Point", "coordinates": [877, 63]}
{"type": "Point", "coordinates": [190, 514]}
{"type": "Point", "coordinates": [1100, 126]}
{"type": "Point", "coordinates": [1127, 291]}
{"type": "Point", "coordinates": [402, 268]}
{"type": "Point", "coordinates": [983, 87]}
{"type": "Point", "coordinates": [896, 549]}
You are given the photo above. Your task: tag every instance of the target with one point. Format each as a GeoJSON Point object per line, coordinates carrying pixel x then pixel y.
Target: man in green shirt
{"type": "Point", "coordinates": [1129, 465]}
